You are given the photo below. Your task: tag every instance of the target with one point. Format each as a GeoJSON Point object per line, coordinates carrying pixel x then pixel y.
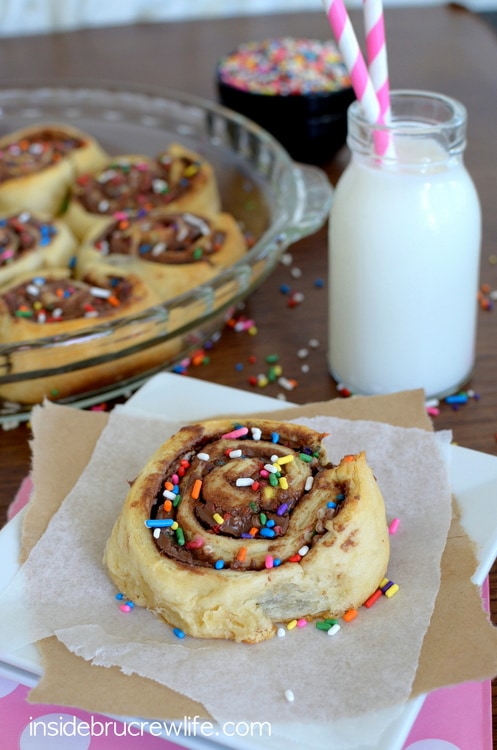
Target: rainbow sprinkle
{"type": "Point", "coordinates": [285, 67]}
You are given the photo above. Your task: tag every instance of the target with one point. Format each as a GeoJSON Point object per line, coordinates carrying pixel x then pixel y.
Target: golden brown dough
{"type": "Point", "coordinates": [131, 184]}
{"type": "Point", "coordinates": [171, 252]}
{"type": "Point", "coordinates": [250, 551]}
{"type": "Point", "coordinates": [39, 163]}
{"type": "Point", "coordinates": [28, 243]}
{"type": "Point", "coordinates": [52, 304]}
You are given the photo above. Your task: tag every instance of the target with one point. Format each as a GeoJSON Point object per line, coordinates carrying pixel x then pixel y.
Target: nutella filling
{"type": "Point", "coordinates": [45, 300]}
{"type": "Point", "coordinates": [35, 152]}
{"type": "Point", "coordinates": [244, 489]}
{"type": "Point", "coordinates": [130, 187]}
{"type": "Point", "coordinates": [21, 233]}
{"type": "Point", "coordinates": [173, 239]}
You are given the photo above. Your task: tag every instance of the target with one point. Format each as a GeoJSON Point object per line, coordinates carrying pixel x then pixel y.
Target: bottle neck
{"type": "Point", "coordinates": [425, 131]}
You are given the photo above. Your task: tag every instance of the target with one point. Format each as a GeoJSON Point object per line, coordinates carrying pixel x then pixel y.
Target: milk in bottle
{"type": "Point", "coordinates": [404, 253]}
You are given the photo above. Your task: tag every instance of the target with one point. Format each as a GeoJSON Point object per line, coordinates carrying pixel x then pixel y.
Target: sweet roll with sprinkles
{"type": "Point", "coordinates": [234, 527]}
{"type": "Point", "coordinates": [171, 252]}
{"type": "Point", "coordinates": [28, 243]}
{"type": "Point", "coordinates": [51, 303]}
{"type": "Point", "coordinates": [39, 163]}
{"type": "Point", "coordinates": [177, 179]}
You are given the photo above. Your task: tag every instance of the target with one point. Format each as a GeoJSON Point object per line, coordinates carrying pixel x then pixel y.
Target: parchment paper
{"type": "Point", "coordinates": [64, 571]}
{"type": "Point", "coordinates": [448, 654]}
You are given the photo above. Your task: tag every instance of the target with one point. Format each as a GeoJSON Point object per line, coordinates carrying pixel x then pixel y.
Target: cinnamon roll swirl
{"type": "Point", "coordinates": [39, 163]}
{"type": "Point", "coordinates": [231, 528]}
{"type": "Point", "coordinates": [172, 253]}
{"type": "Point", "coordinates": [28, 243]}
{"type": "Point", "coordinates": [176, 180]}
{"type": "Point", "coordinates": [50, 303]}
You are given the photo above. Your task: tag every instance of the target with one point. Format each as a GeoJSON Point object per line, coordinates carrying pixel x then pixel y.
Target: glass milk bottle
{"type": "Point", "coordinates": [405, 232]}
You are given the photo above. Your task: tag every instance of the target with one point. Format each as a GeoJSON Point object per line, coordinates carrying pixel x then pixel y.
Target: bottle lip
{"type": "Point", "coordinates": [413, 113]}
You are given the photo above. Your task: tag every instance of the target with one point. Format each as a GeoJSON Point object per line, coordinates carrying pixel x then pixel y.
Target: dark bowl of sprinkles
{"type": "Point", "coordinates": [298, 90]}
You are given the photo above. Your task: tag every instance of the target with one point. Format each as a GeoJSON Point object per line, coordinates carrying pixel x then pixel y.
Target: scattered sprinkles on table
{"type": "Point", "coordinates": [486, 297]}
{"type": "Point", "coordinates": [285, 67]}
{"type": "Point", "coordinates": [454, 400]}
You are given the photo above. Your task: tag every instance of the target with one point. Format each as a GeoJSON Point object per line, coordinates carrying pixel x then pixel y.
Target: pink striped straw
{"type": "Point", "coordinates": [377, 54]}
{"type": "Point", "coordinates": [361, 81]}
{"type": "Point", "coordinates": [352, 55]}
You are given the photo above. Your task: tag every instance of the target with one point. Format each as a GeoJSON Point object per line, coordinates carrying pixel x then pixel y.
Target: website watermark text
{"type": "Point", "coordinates": [188, 726]}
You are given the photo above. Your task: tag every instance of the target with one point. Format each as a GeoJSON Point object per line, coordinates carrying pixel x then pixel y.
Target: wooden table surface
{"type": "Point", "coordinates": [440, 48]}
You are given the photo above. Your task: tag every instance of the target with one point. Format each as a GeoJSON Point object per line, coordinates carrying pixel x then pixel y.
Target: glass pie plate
{"type": "Point", "coordinates": [276, 200]}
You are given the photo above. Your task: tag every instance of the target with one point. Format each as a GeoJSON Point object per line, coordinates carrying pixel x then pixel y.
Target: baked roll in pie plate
{"type": "Point", "coordinates": [177, 179]}
{"type": "Point", "coordinates": [234, 527]}
{"type": "Point", "coordinates": [75, 314]}
{"type": "Point", "coordinates": [28, 242]}
{"type": "Point", "coordinates": [171, 252]}
{"type": "Point", "coordinates": [39, 163]}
